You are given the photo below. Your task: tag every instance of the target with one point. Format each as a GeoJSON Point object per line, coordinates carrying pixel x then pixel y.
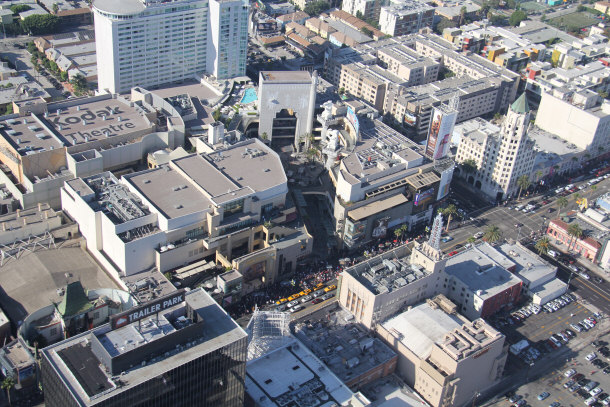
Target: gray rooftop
{"type": "Point", "coordinates": [344, 346]}
{"type": "Point", "coordinates": [286, 77]}
{"type": "Point", "coordinates": [483, 270]}
{"type": "Point", "coordinates": [528, 265]}
{"type": "Point", "coordinates": [421, 327]}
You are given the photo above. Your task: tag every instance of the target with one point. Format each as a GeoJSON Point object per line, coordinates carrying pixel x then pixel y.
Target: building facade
{"type": "Point", "coordinates": [449, 364]}
{"type": "Point", "coordinates": [149, 42]}
{"type": "Point", "coordinates": [502, 156]}
{"type": "Point", "coordinates": [406, 17]}
{"type": "Point", "coordinates": [369, 9]}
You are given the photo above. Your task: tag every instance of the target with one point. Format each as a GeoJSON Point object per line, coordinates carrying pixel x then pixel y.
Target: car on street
{"type": "Point", "coordinates": [591, 356]}
{"type": "Point", "coordinates": [520, 403]}
{"type": "Point", "coordinates": [447, 239]}
{"type": "Point", "coordinates": [554, 404]}
{"type": "Point", "coordinates": [478, 235]}
{"type": "Point", "coordinates": [306, 298]}
{"type": "Point", "coordinates": [515, 397]}
{"type": "Point", "coordinates": [543, 395]}
{"type": "Point", "coordinates": [296, 308]}
{"type": "Point", "coordinates": [292, 303]}
{"type": "Point", "coordinates": [569, 384]}
{"type": "Point", "coordinates": [569, 373]}
{"type": "Point", "coordinates": [574, 387]}
{"type": "Point", "coordinates": [453, 253]}
{"type": "Point", "coordinates": [317, 300]}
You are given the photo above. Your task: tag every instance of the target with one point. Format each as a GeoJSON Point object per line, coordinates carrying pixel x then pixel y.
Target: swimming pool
{"type": "Point", "coordinates": [249, 96]}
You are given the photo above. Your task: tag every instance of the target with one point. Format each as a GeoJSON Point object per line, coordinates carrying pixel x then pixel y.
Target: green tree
{"type": "Point", "coordinates": [168, 275]}
{"type": "Point", "coordinates": [561, 202]}
{"type": "Point", "coordinates": [576, 232]}
{"type": "Point", "coordinates": [492, 234]}
{"type": "Point", "coordinates": [603, 94]}
{"type": "Point", "coordinates": [523, 182]}
{"type": "Point", "coordinates": [592, 189]}
{"type": "Point", "coordinates": [359, 14]}
{"type": "Point", "coordinates": [444, 23]}
{"type": "Point", "coordinates": [581, 8]}
{"type": "Point", "coordinates": [264, 136]}
{"type": "Point", "coordinates": [63, 76]}
{"type": "Point", "coordinates": [31, 47]}
{"type": "Point", "coordinates": [450, 211]}
{"type": "Point", "coordinates": [538, 175]}
{"type": "Point", "coordinates": [400, 232]}
{"type": "Point", "coordinates": [7, 384]}
{"type": "Point", "coordinates": [366, 31]}
{"type": "Point", "coordinates": [516, 18]}
{"type": "Point", "coordinates": [20, 8]}
{"type": "Point", "coordinates": [55, 8]}
{"type": "Point", "coordinates": [311, 154]}
{"type": "Point", "coordinates": [471, 240]}
{"type": "Point", "coordinates": [38, 24]}
{"type": "Point", "coordinates": [216, 115]}
{"type": "Point", "coordinates": [79, 83]}
{"type": "Point", "coordinates": [542, 245]}
{"type": "Point", "coordinates": [316, 7]}
{"type": "Point", "coordinates": [469, 166]}
{"type": "Point", "coordinates": [463, 12]}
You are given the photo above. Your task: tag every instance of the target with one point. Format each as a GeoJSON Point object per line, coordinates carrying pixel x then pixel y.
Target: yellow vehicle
{"type": "Point", "coordinates": [294, 296]}
{"type": "Point", "coordinates": [281, 301]}
{"type": "Point", "coordinates": [330, 288]}
{"type": "Point", "coordinates": [304, 292]}
{"type": "Point", "coordinates": [319, 286]}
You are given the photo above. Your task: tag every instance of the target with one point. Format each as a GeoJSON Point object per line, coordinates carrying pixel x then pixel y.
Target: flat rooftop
{"type": "Point", "coordinates": [190, 87]}
{"type": "Point", "coordinates": [343, 345]}
{"type": "Point", "coordinates": [421, 327]}
{"type": "Point", "coordinates": [81, 369]}
{"type": "Point", "coordinates": [286, 76]}
{"type": "Point", "coordinates": [528, 265]}
{"type": "Point", "coordinates": [483, 270]}
{"type": "Point", "coordinates": [293, 375]}
{"type": "Point", "coordinates": [64, 125]}
{"type": "Point", "coordinates": [387, 272]}
{"type": "Point", "coordinates": [169, 191]}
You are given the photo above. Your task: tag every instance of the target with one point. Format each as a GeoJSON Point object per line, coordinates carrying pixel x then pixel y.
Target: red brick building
{"type": "Point", "coordinates": [587, 247]}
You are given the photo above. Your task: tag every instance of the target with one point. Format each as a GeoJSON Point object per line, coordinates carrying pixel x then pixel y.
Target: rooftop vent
{"type": "Point", "coordinates": [147, 181]}
{"type": "Point", "coordinates": [178, 206]}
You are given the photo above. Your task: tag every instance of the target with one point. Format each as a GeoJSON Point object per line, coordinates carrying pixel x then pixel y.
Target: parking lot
{"type": "Point", "coordinates": [553, 357]}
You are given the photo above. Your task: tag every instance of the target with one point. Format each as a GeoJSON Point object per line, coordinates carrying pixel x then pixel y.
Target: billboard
{"type": "Point", "coordinates": [423, 197]}
{"type": "Point", "coordinates": [144, 310]}
{"type": "Point", "coordinates": [443, 187]}
{"type": "Point", "coordinates": [439, 133]}
{"type": "Point", "coordinates": [381, 228]}
{"type": "Point", "coordinates": [410, 119]}
{"type": "Point", "coordinates": [353, 119]}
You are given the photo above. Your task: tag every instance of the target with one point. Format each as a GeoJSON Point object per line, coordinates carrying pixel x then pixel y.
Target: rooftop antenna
{"type": "Point", "coordinates": [435, 235]}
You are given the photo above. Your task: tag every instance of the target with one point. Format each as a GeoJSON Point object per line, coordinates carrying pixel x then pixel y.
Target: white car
{"type": "Point", "coordinates": [595, 391]}
{"type": "Point", "coordinates": [296, 308]}
{"type": "Point", "coordinates": [590, 401]}
{"type": "Point", "coordinates": [292, 303]}
{"type": "Point", "coordinates": [591, 356]}
{"type": "Point", "coordinates": [305, 298]}
{"type": "Point", "coordinates": [569, 373]}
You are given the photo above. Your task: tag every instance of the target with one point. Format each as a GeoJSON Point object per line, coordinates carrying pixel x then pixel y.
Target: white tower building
{"type": "Point", "coordinates": [152, 42]}
{"type": "Point", "coordinates": [501, 156]}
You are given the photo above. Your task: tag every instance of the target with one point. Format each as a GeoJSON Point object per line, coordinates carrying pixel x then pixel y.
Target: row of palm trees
{"type": "Point", "coordinates": [574, 230]}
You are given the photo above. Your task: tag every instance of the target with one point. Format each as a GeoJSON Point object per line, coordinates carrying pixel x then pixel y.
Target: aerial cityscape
{"type": "Point", "coordinates": [305, 203]}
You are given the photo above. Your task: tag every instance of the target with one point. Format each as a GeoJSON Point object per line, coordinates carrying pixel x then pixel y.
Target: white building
{"type": "Point", "coordinates": [287, 103]}
{"type": "Point", "coordinates": [502, 155]}
{"type": "Point", "coordinates": [581, 118]}
{"type": "Point", "coordinates": [405, 17]}
{"type": "Point", "coordinates": [151, 42]}
{"type": "Point", "coordinates": [368, 8]}
{"type": "Point", "coordinates": [175, 214]}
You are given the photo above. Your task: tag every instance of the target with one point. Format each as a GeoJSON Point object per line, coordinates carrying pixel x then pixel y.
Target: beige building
{"type": "Point", "coordinates": [501, 155]}
{"type": "Point", "coordinates": [374, 290]}
{"type": "Point", "coordinates": [369, 9]}
{"type": "Point", "coordinates": [581, 118]}
{"type": "Point", "coordinates": [446, 358]}
{"type": "Point", "coordinates": [405, 17]}
{"type": "Point", "coordinates": [602, 6]}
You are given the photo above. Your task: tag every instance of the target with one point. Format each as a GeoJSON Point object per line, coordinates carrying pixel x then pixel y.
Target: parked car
{"type": "Point", "coordinates": [569, 373]}
{"type": "Point", "coordinates": [543, 395]}
{"type": "Point", "coordinates": [591, 356]}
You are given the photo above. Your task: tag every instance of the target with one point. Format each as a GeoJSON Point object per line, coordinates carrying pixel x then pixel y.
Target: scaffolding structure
{"type": "Point", "coordinates": [19, 246]}
{"type": "Point", "coordinates": [267, 330]}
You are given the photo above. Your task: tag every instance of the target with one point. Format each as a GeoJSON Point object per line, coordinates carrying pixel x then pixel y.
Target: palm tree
{"type": "Point", "coordinates": [463, 11]}
{"type": "Point", "coordinates": [492, 234]}
{"type": "Point", "coordinates": [538, 175]}
{"type": "Point", "coordinates": [450, 211]}
{"type": "Point", "coordinates": [576, 232]}
{"type": "Point", "coordinates": [542, 245]}
{"type": "Point", "coordinates": [399, 232]}
{"type": "Point", "coordinates": [523, 182]}
{"type": "Point", "coordinates": [471, 240]}
{"type": "Point", "coordinates": [7, 384]}
{"type": "Point", "coordinates": [562, 202]}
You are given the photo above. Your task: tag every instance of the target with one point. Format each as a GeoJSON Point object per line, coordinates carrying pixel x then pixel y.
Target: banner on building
{"type": "Point", "coordinates": [353, 119]}
{"type": "Point", "coordinates": [424, 197]}
{"type": "Point", "coordinates": [410, 119]}
{"type": "Point", "coordinates": [439, 133]}
{"type": "Point", "coordinates": [381, 228]}
{"type": "Point", "coordinates": [443, 187]}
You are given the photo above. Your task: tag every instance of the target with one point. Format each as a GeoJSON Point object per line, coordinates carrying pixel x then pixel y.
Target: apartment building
{"type": "Point", "coordinates": [482, 86]}
{"type": "Point", "coordinates": [369, 9]}
{"type": "Point", "coordinates": [581, 118]}
{"type": "Point", "coordinates": [150, 42]}
{"type": "Point", "coordinates": [444, 356]}
{"type": "Point", "coordinates": [405, 17]}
